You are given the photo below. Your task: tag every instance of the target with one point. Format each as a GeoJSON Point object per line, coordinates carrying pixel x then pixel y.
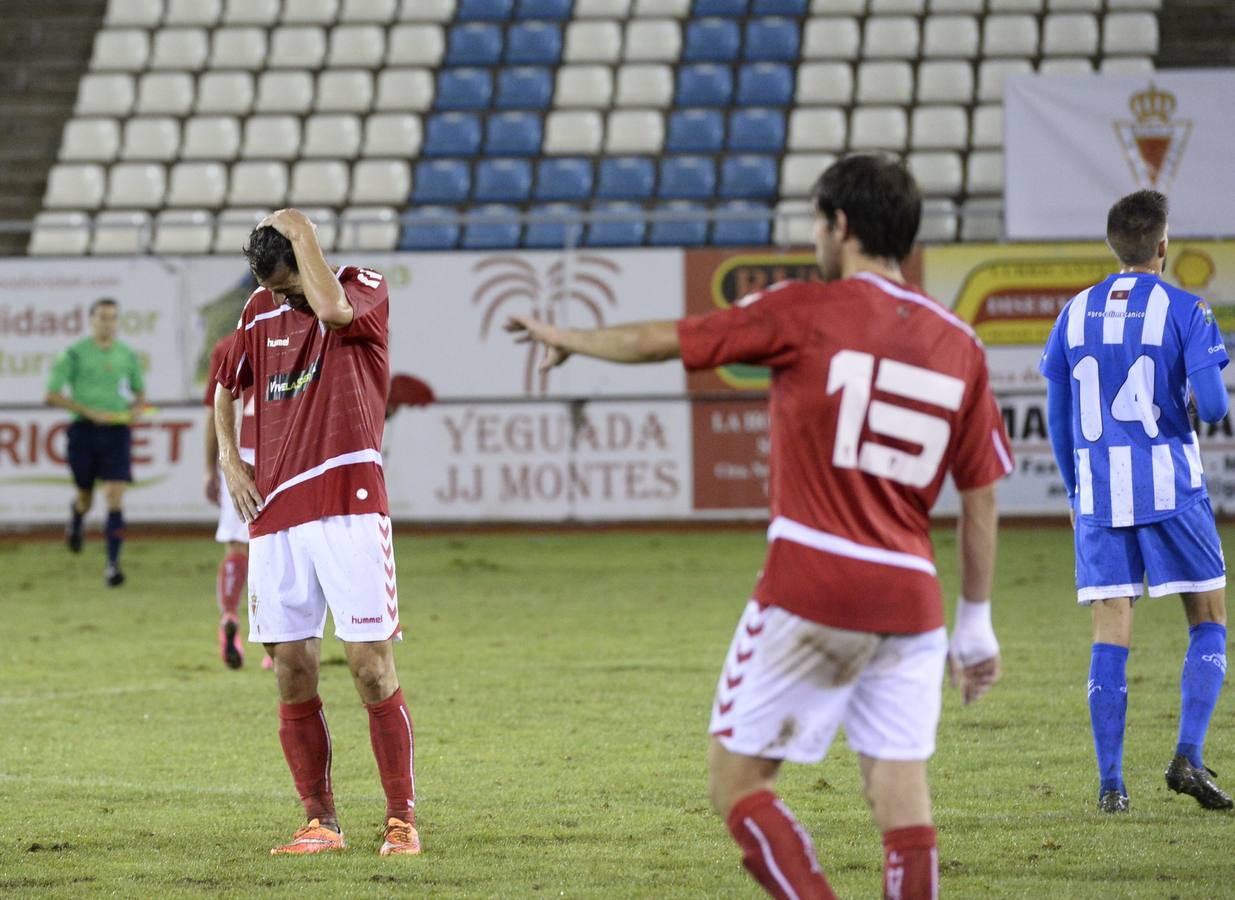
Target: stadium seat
{"type": "Point", "coordinates": [232, 228]}
{"type": "Point", "coordinates": [297, 47]}
{"type": "Point", "coordinates": [831, 38]}
{"type": "Point", "coordinates": [368, 228]}
{"type": "Point", "coordinates": [358, 46]}
{"type": "Point", "coordinates": [513, 134]}
{"type": "Point", "coordinates": [543, 9]}
{"type": "Point", "coordinates": [602, 9]}
{"type": "Point", "coordinates": [939, 128]}
{"type": "Point", "coordinates": [474, 44]}
{"type": "Point", "coordinates": [284, 91]}
{"type": "Point", "coordinates": [573, 132]}
{"type": "Point", "coordinates": [626, 178]}
{"type": "Point", "coordinates": [890, 37]}
{"type": "Point", "coordinates": [204, 13]}
{"type": "Point", "coordinates": [950, 36]}
{"type": "Point", "coordinates": [1091, 6]}
{"type": "Point", "coordinates": [1009, 36]}
{"type": "Point", "coordinates": [820, 128]}
{"type": "Point", "coordinates": [415, 45]}
{"type": "Point", "coordinates": [554, 233]}
{"type": "Point", "coordinates": [59, 234]}
{"type": "Point", "coordinates": [238, 47]}
{"type": "Point", "coordinates": [991, 73]}
{"type": "Point", "coordinates": [120, 233]}
{"type": "Point", "coordinates": [824, 84]}
{"type": "Point", "coordinates": [391, 134]}
{"type": "Point", "coordinates": [120, 50]}
{"type": "Point", "coordinates": [563, 178]}
{"type": "Point", "coordinates": [652, 9]}
{"type": "Point", "coordinates": [211, 137]}
{"type": "Point", "coordinates": [271, 137]}
{"type": "Point", "coordinates": [987, 126]}
{"type": "Point", "coordinates": [644, 85]}
{"type": "Point", "coordinates": [1033, 7]}
{"type": "Point", "coordinates": [463, 87]}
{"type": "Point", "coordinates": [427, 10]}
{"type": "Point", "coordinates": [105, 94]}
{"type": "Point", "coordinates": [756, 131]}
{"type": "Point", "coordinates": [483, 10]}
{"type": "Point", "coordinates": [772, 40]}
{"type": "Point", "coordinates": [792, 226]}
{"type": "Point", "coordinates": [1127, 65]}
{"type": "Point", "coordinates": [690, 229]}
{"type": "Point", "coordinates": [441, 181]}
{"type": "Point", "coordinates": [687, 178]}
{"type": "Point", "coordinates": [885, 82]}
{"type": "Point", "coordinates": [1064, 65]}
{"type": "Point", "coordinates": [897, 7]}
{"type": "Point", "coordinates": [90, 140]}
{"type": "Point", "coordinates": [838, 7]}
{"type": "Point", "coordinates": [135, 186]}
{"type": "Point", "coordinates": [945, 81]}
{"type": "Point", "coordinates": [73, 186]}
{"type": "Point", "coordinates": [452, 134]}
{"type": "Point", "coordinates": [534, 44]}
{"type": "Point", "coordinates": [593, 42]}
{"type": "Point", "coordinates": [331, 136]}
{"type": "Point", "coordinates": [584, 86]}
{"type": "Point", "coordinates": [695, 131]}
{"type": "Point", "coordinates": [310, 12]}
{"type": "Point", "coordinates": [742, 232]}
{"type": "Point", "coordinates": [984, 172]}
{"type": "Point", "coordinates": [748, 177]}
{"type": "Point", "coordinates": [381, 182]}
{"type": "Point", "coordinates": [1070, 34]}
{"type": "Point", "coordinates": [524, 87]}
{"type": "Point", "coordinates": [1118, 5]}
{"type": "Point", "coordinates": [878, 128]}
{"type": "Point", "coordinates": [196, 184]}
{"type": "Point", "coordinates": [344, 90]}
{"type": "Point", "coordinates": [138, 13]}
{"type": "Point", "coordinates": [182, 231]}
{"type": "Point", "coordinates": [501, 232]}
{"type": "Point", "coordinates": [1130, 33]}
{"type": "Point", "coordinates": [322, 182]}
{"type": "Point", "coordinates": [152, 138]}
{"type": "Point", "coordinates": [377, 12]}
{"type": "Point", "coordinates": [166, 93]}
{"type": "Point", "coordinates": [404, 90]}
{"type": "Point", "coordinates": [712, 40]}
{"type": "Point", "coordinates": [800, 171]}
{"type": "Point", "coordinates": [634, 131]}
{"type": "Point", "coordinates": [626, 229]}
{"type": "Point", "coordinates": [938, 172]}
{"type": "Point", "coordinates": [704, 85]}
{"type": "Point", "coordinates": [426, 230]}
{"type": "Point", "coordinates": [652, 40]}
{"type": "Point", "coordinates": [251, 12]}
{"type": "Point", "coordinates": [502, 181]}
{"type": "Point", "coordinates": [947, 7]}
{"type": "Point", "coordinates": [229, 93]}
{"type": "Point", "coordinates": [719, 8]}
{"type": "Point", "coordinates": [939, 221]}
{"type": "Point", "coordinates": [765, 84]}
{"type": "Point", "coordinates": [257, 183]}
{"type": "Point", "coordinates": [982, 219]}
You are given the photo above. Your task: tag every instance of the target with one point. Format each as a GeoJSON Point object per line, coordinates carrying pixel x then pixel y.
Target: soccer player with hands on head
{"type": "Point", "coordinates": [1121, 363]}
{"type": "Point", "coordinates": [877, 394]}
{"type": "Point", "coordinates": [312, 345]}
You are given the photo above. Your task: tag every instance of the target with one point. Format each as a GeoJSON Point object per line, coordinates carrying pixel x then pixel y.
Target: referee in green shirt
{"type": "Point", "coordinates": [99, 371]}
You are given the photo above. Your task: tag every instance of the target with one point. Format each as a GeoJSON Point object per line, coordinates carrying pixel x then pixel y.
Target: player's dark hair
{"type": "Point", "coordinates": [102, 301]}
{"type": "Point", "coordinates": [881, 200]}
{"type": "Point", "coordinates": [266, 250]}
{"type": "Point", "coordinates": [1135, 225]}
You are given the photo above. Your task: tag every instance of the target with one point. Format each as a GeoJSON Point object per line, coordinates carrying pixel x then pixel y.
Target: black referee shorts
{"type": "Point", "coordinates": [99, 453]}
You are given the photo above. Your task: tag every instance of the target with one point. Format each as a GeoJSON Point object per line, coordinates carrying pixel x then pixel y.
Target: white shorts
{"type": "Point", "coordinates": [345, 563]}
{"type": "Point", "coordinates": [789, 683]}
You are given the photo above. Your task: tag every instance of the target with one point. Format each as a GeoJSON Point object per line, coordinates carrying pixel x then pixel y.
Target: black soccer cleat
{"type": "Point", "coordinates": [113, 577]}
{"type": "Point", "coordinates": [233, 655]}
{"type": "Point", "coordinates": [1198, 782]}
{"type": "Point", "coordinates": [73, 530]}
{"type": "Point", "coordinates": [1113, 801]}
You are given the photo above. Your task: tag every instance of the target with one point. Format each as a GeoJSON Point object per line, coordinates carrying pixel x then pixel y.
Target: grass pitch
{"type": "Point", "coordinates": [560, 685]}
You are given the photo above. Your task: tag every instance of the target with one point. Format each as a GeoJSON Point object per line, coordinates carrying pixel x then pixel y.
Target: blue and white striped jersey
{"type": "Point", "coordinates": [1127, 347]}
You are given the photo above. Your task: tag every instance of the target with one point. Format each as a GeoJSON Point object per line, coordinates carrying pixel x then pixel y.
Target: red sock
{"type": "Point", "coordinates": [306, 745]}
{"type": "Point", "coordinates": [233, 571]}
{"type": "Point", "coordinates": [776, 849]}
{"type": "Point", "coordinates": [910, 864]}
{"type": "Point", "coordinates": [390, 730]}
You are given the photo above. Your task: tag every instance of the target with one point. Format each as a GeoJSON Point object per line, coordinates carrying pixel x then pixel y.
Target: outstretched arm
{"type": "Point", "coordinates": [317, 279]}
{"type": "Point", "coordinates": [638, 342]}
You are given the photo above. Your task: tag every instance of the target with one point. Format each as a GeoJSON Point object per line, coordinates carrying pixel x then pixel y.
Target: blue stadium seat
{"type": "Point", "coordinates": [426, 231]}
{"type": "Point", "coordinates": [757, 130]}
{"type": "Point", "coordinates": [552, 234]}
{"type": "Point", "coordinates": [513, 134]}
{"type": "Point", "coordinates": [564, 178]}
{"type": "Point", "coordinates": [474, 44]}
{"type": "Point", "coordinates": [704, 85]}
{"type": "Point", "coordinates": [463, 88]}
{"type": "Point", "coordinates": [502, 181]}
{"type": "Point", "coordinates": [689, 231]}
{"type": "Point", "coordinates": [688, 178]}
{"type": "Point", "coordinates": [748, 177]}
{"type": "Point", "coordinates": [778, 7]}
{"type": "Point", "coordinates": [492, 235]}
{"type": "Point", "coordinates": [543, 9]}
{"type": "Point", "coordinates": [483, 10]}
{"type": "Point", "coordinates": [452, 134]}
{"type": "Point", "coordinates": [712, 40]}
{"type": "Point", "coordinates": [624, 233]}
{"type": "Point", "coordinates": [743, 232]}
{"type": "Point", "coordinates": [765, 84]}
{"type": "Point", "coordinates": [772, 40]}
{"type": "Point", "coordinates": [719, 8]}
{"type": "Point", "coordinates": [534, 44]}
{"type": "Point", "coordinates": [524, 87]}
{"type": "Point", "coordinates": [441, 181]}
{"type": "Point", "coordinates": [695, 131]}
{"type": "Point", "coordinates": [626, 178]}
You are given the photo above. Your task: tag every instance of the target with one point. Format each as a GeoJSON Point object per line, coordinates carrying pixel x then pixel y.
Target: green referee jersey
{"type": "Point", "coordinates": [95, 375]}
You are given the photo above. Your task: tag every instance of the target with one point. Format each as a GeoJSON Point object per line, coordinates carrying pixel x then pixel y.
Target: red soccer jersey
{"type": "Point", "coordinates": [248, 424]}
{"type": "Point", "coordinates": [319, 403]}
{"type": "Point", "coordinates": [877, 393]}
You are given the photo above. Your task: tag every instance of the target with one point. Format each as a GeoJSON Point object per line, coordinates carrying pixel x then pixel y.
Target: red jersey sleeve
{"type": "Point", "coordinates": [758, 329]}
{"type": "Point", "coordinates": [367, 293]}
{"type": "Point", "coordinates": [983, 453]}
{"type": "Point", "coordinates": [235, 371]}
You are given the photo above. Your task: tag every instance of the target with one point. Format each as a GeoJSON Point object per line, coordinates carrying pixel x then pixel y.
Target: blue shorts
{"type": "Point", "coordinates": [1181, 554]}
{"type": "Point", "coordinates": [99, 453]}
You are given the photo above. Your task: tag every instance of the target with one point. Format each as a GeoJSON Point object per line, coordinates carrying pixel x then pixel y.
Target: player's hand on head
{"type": "Point", "coordinates": [531, 330]}
{"type": "Point", "coordinates": [289, 222]}
{"type": "Point", "coordinates": [975, 679]}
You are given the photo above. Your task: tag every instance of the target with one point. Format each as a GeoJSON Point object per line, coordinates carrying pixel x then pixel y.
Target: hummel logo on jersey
{"type": "Point", "coordinates": [284, 387]}
{"type": "Point", "coordinates": [1218, 659]}
{"type": "Point", "coordinates": [278, 342]}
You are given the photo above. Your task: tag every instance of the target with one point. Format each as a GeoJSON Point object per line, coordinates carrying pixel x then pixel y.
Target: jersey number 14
{"type": "Point", "coordinates": [1133, 403]}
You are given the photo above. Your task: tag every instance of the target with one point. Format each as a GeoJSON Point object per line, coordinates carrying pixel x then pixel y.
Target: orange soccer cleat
{"type": "Point", "coordinates": [401, 839]}
{"type": "Point", "coordinates": [312, 838]}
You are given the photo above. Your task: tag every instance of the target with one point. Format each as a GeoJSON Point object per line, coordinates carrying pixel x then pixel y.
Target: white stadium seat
{"type": "Point", "coordinates": [793, 223]}
{"type": "Point", "coordinates": [1011, 35]}
{"type": "Point", "coordinates": [251, 12]}
{"type": "Point", "coordinates": [331, 136]}
{"type": "Point", "coordinates": [284, 91]}
{"type": "Point", "coordinates": [1127, 65]}
{"type": "Point", "coordinates": [361, 46]}
{"type": "Point", "coordinates": [368, 228]}
{"type": "Point", "coordinates": [984, 174]}
{"type": "Point", "coordinates": [136, 186]}
{"type": "Point", "coordinates": [297, 47]}
{"type": "Point", "coordinates": [166, 93]}
{"type": "Point", "coordinates": [950, 36]}
{"type": "Point", "coordinates": [239, 47]}
{"type": "Point", "coordinates": [155, 138]}
{"type": "Point", "coordinates": [257, 183]}
{"type": "Point", "coordinates": [344, 90]}
{"type": "Point", "coordinates": [319, 181]}
{"type": "Point", "coordinates": [800, 171]}
{"type": "Point", "coordinates": [1091, 6]}
{"type": "Point", "coordinates": [945, 7]}
{"type": "Point", "coordinates": [182, 231]}
{"type": "Point", "coordinates": [90, 140]}
{"type": "Point", "coordinates": [938, 172]}
{"type": "Point", "coordinates": [834, 37]}
{"type": "Point", "coordinates": [982, 219]}
{"type": "Point", "coordinates": [818, 128]}
{"type": "Point", "coordinates": [939, 128]}
{"type": "Point", "coordinates": [1062, 65]}
{"type": "Point", "coordinates": [987, 126]}
{"type": "Point", "coordinates": [211, 137]}
{"type": "Point", "coordinates": [644, 85]}
{"type": "Point", "coordinates": [105, 94]}
{"type": "Point", "coordinates": [120, 232]}
{"type": "Point", "coordinates": [878, 128]}
{"type": "Point", "coordinates": [59, 234]}
{"type": "Point", "coordinates": [197, 184]}
{"type": "Point", "coordinates": [231, 93]}
{"type": "Point", "coordinates": [939, 220]}
{"type": "Point", "coordinates": [313, 12]}
{"type": "Point", "coordinates": [601, 9]}
{"type": "Point", "coordinates": [651, 9]}
{"type": "Point", "coordinates": [945, 81]}
{"type": "Point", "coordinates": [415, 45]}
{"type": "Point", "coordinates": [232, 228]}
{"type": "Point", "coordinates": [392, 134]}
{"type": "Point", "coordinates": [193, 12]}
{"type": "Point", "coordinates": [380, 12]}
{"type": "Point", "coordinates": [380, 182]}
{"type": "Point", "coordinates": [120, 50]}
{"type": "Point", "coordinates": [593, 42]}
{"type": "Point", "coordinates": [133, 13]}
{"type": "Point", "coordinates": [991, 73]}
{"type": "Point", "coordinates": [1034, 7]}
{"type": "Point", "coordinates": [837, 7]}
{"type": "Point", "coordinates": [404, 89]}
{"type": "Point", "coordinates": [271, 137]}
{"type": "Point", "coordinates": [653, 40]}
{"type": "Point", "coordinates": [824, 84]}
{"type": "Point", "coordinates": [634, 131]}
{"type": "Point", "coordinates": [573, 132]}
{"type": "Point", "coordinates": [586, 86]}
{"type": "Point", "coordinates": [1130, 33]}
{"type": "Point", "coordinates": [890, 37]}
{"type": "Point", "coordinates": [1119, 5]}
{"type": "Point", "coordinates": [897, 7]}
{"type": "Point", "coordinates": [180, 49]}
{"type": "Point", "coordinates": [74, 186]}
{"type": "Point", "coordinates": [885, 82]}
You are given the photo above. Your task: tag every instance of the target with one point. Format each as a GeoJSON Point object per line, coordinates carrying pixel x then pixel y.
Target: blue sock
{"type": "Point", "coordinates": [1199, 685]}
{"type": "Point", "coordinates": [1108, 707]}
{"type": "Point", "coordinates": [115, 536]}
